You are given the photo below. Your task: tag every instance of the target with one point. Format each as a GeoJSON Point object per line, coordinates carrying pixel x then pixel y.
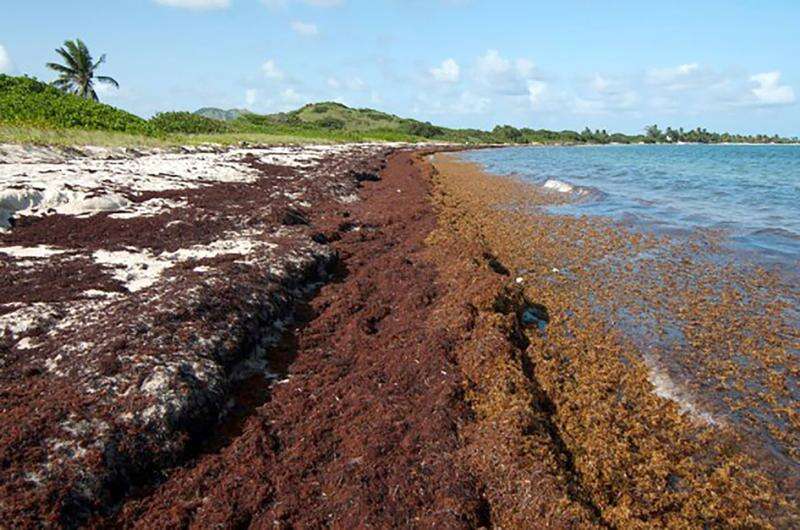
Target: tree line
{"type": "Point", "coordinates": [652, 134]}
{"type": "Point", "coordinates": [704, 136]}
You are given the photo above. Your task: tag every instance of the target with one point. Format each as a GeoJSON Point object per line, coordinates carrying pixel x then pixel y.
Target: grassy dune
{"type": "Point", "coordinates": [34, 112]}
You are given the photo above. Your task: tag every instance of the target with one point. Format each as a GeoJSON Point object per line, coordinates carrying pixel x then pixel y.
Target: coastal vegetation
{"type": "Point", "coordinates": [27, 102]}
{"type": "Point", "coordinates": [187, 122]}
{"type": "Point", "coordinates": [33, 111]}
{"type": "Point", "coordinates": [702, 136]}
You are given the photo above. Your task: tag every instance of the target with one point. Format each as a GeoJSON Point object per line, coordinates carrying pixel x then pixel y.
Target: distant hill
{"type": "Point", "coordinates": [332, 115]}
{"type": "Point", "coordinates": [221, 114]}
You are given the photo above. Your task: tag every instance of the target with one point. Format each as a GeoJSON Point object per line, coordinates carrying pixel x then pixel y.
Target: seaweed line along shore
{"type": "Point", "coordinates": [348, 336]}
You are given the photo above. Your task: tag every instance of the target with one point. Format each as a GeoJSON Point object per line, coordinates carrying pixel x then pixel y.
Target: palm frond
{"type": "Point", "coordinates": [108, 80]}
{"type": "Point", "coordinates": [83, 48]}
{"type": "Point", "coordinates": [85, 55]}
{"type": "Point", "coordinates": [77, 54]}
{"type": "Point", "coordinates": [71, 62]}
{"type": "Point", "coordinates": [65, 70]}
{"type": "Point", "coordinates": [99, 62]}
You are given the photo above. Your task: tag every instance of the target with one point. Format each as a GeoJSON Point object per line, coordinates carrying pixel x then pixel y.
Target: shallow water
{"type": "Point", "coordinates": [710, 304]}
{"type": "Point", "coordinates": [750, 192]}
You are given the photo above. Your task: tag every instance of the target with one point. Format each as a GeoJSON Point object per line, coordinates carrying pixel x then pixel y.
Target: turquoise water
{"type": "Point", "coordinates": [750, 192]}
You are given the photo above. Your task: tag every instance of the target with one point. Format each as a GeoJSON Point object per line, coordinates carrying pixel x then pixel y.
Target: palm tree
{"type": "Point", "coordinates": [77, 75]}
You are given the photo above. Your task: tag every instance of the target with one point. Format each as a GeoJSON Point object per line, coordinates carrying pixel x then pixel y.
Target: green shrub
{"type": "Point", "coordinates": [188, 123]}
{"type": "Point", "coordinates": [425, 130]}
{"type": "Point", "coordinates": [27, 101]}
{"type": "Point", "coordinates": [508, 134]}
{"type": "Point", "coordinates": [268, 120]}
{"type": "Point", "coordinates": [330, 123]}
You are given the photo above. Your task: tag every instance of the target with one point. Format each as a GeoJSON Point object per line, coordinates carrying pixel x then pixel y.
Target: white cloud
{"type": "Point", "coordinates": [504, 75]}
{"type": "Point", "coordinates": [704, 88]}
{"type": "Point", "coordinates": [674, 78]}
{"type": "Point", "coordinates": [665, 104]}
{"type": "Point", "coordinates": [196, 4]}
{"type": "Point", "coordinates": [250, 96]}
{"type": "Point", "coordinates": [466, 103]}
{"type": "Point", "coordinates": [606, 103]}
{"type": "Point", "coordinates": [448, 72]}
{"type": "Point", "coordinates": [600, 83]}
{"type": "Point", "coordinates": [491, 64]}
{"type": "Point", "coordinates": [603, 94]}
{"type": "Point", "coordinates": [355, 83]}
{"type": "Point", "coordinates": [769, 91]}
{"type": "Point", "coordinates": [5, 61]}
{"type": "Point", "coordinates": [536, 90]}
{"type": "Point", "coordinates": [351, 83]}
{"type": "Point", "coordinates": [305, 28]}
{"type": "Point", "coordinates": [525, 67]}
{"type": "Point", "coordinates": [626, 100]}
{"type": "Point", "coordinates": [469, 103]}
{"type": "Point", "coordinates": [290, 95]}
{"type": "Point", "coordinates": [271, 70]}
{"type": "Point", "coordinates": [588, 106]}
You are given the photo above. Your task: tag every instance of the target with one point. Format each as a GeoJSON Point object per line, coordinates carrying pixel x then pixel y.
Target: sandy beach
{"type": "Point", "coordinates": [341, 264]}
{"type": "Point", "coordinates": [139, 289]}
{"type": "Point", "coordinates": [358, 335]}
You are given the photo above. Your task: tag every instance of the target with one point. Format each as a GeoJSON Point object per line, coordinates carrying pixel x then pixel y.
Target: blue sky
{"type": "Point", "coordinates": [724, 65]}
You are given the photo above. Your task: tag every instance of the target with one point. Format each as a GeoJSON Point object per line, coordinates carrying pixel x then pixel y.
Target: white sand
{"type": "Point", "coordinates": [39, 251]}
{"type": "Point", "coordinates": [46, 180]}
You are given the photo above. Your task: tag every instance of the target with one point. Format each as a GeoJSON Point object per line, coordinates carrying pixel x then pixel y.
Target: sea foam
{"type": "Point", "coordinates": [559, 186]}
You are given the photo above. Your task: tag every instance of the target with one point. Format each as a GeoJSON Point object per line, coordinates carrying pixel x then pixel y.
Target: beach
{"type": "Point", "coordinates": [367, 335]}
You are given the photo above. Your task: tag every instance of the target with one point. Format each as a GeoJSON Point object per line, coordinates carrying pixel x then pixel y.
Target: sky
{"type": "Point", "coordinates": [724, 65]}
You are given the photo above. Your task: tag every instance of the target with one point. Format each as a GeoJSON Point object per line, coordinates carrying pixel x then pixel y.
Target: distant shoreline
{"type": "Point", "coordinates": [640, 144]}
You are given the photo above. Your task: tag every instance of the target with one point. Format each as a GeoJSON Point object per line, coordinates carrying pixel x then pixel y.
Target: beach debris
{"type": "Point", "coordinates": [366, 176]}
{"type": "Point", "coordinates": [534, 315]}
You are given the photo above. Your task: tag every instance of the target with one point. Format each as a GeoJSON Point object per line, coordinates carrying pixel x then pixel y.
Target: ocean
{"type": "Point", "coordinates": [751, 193]}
